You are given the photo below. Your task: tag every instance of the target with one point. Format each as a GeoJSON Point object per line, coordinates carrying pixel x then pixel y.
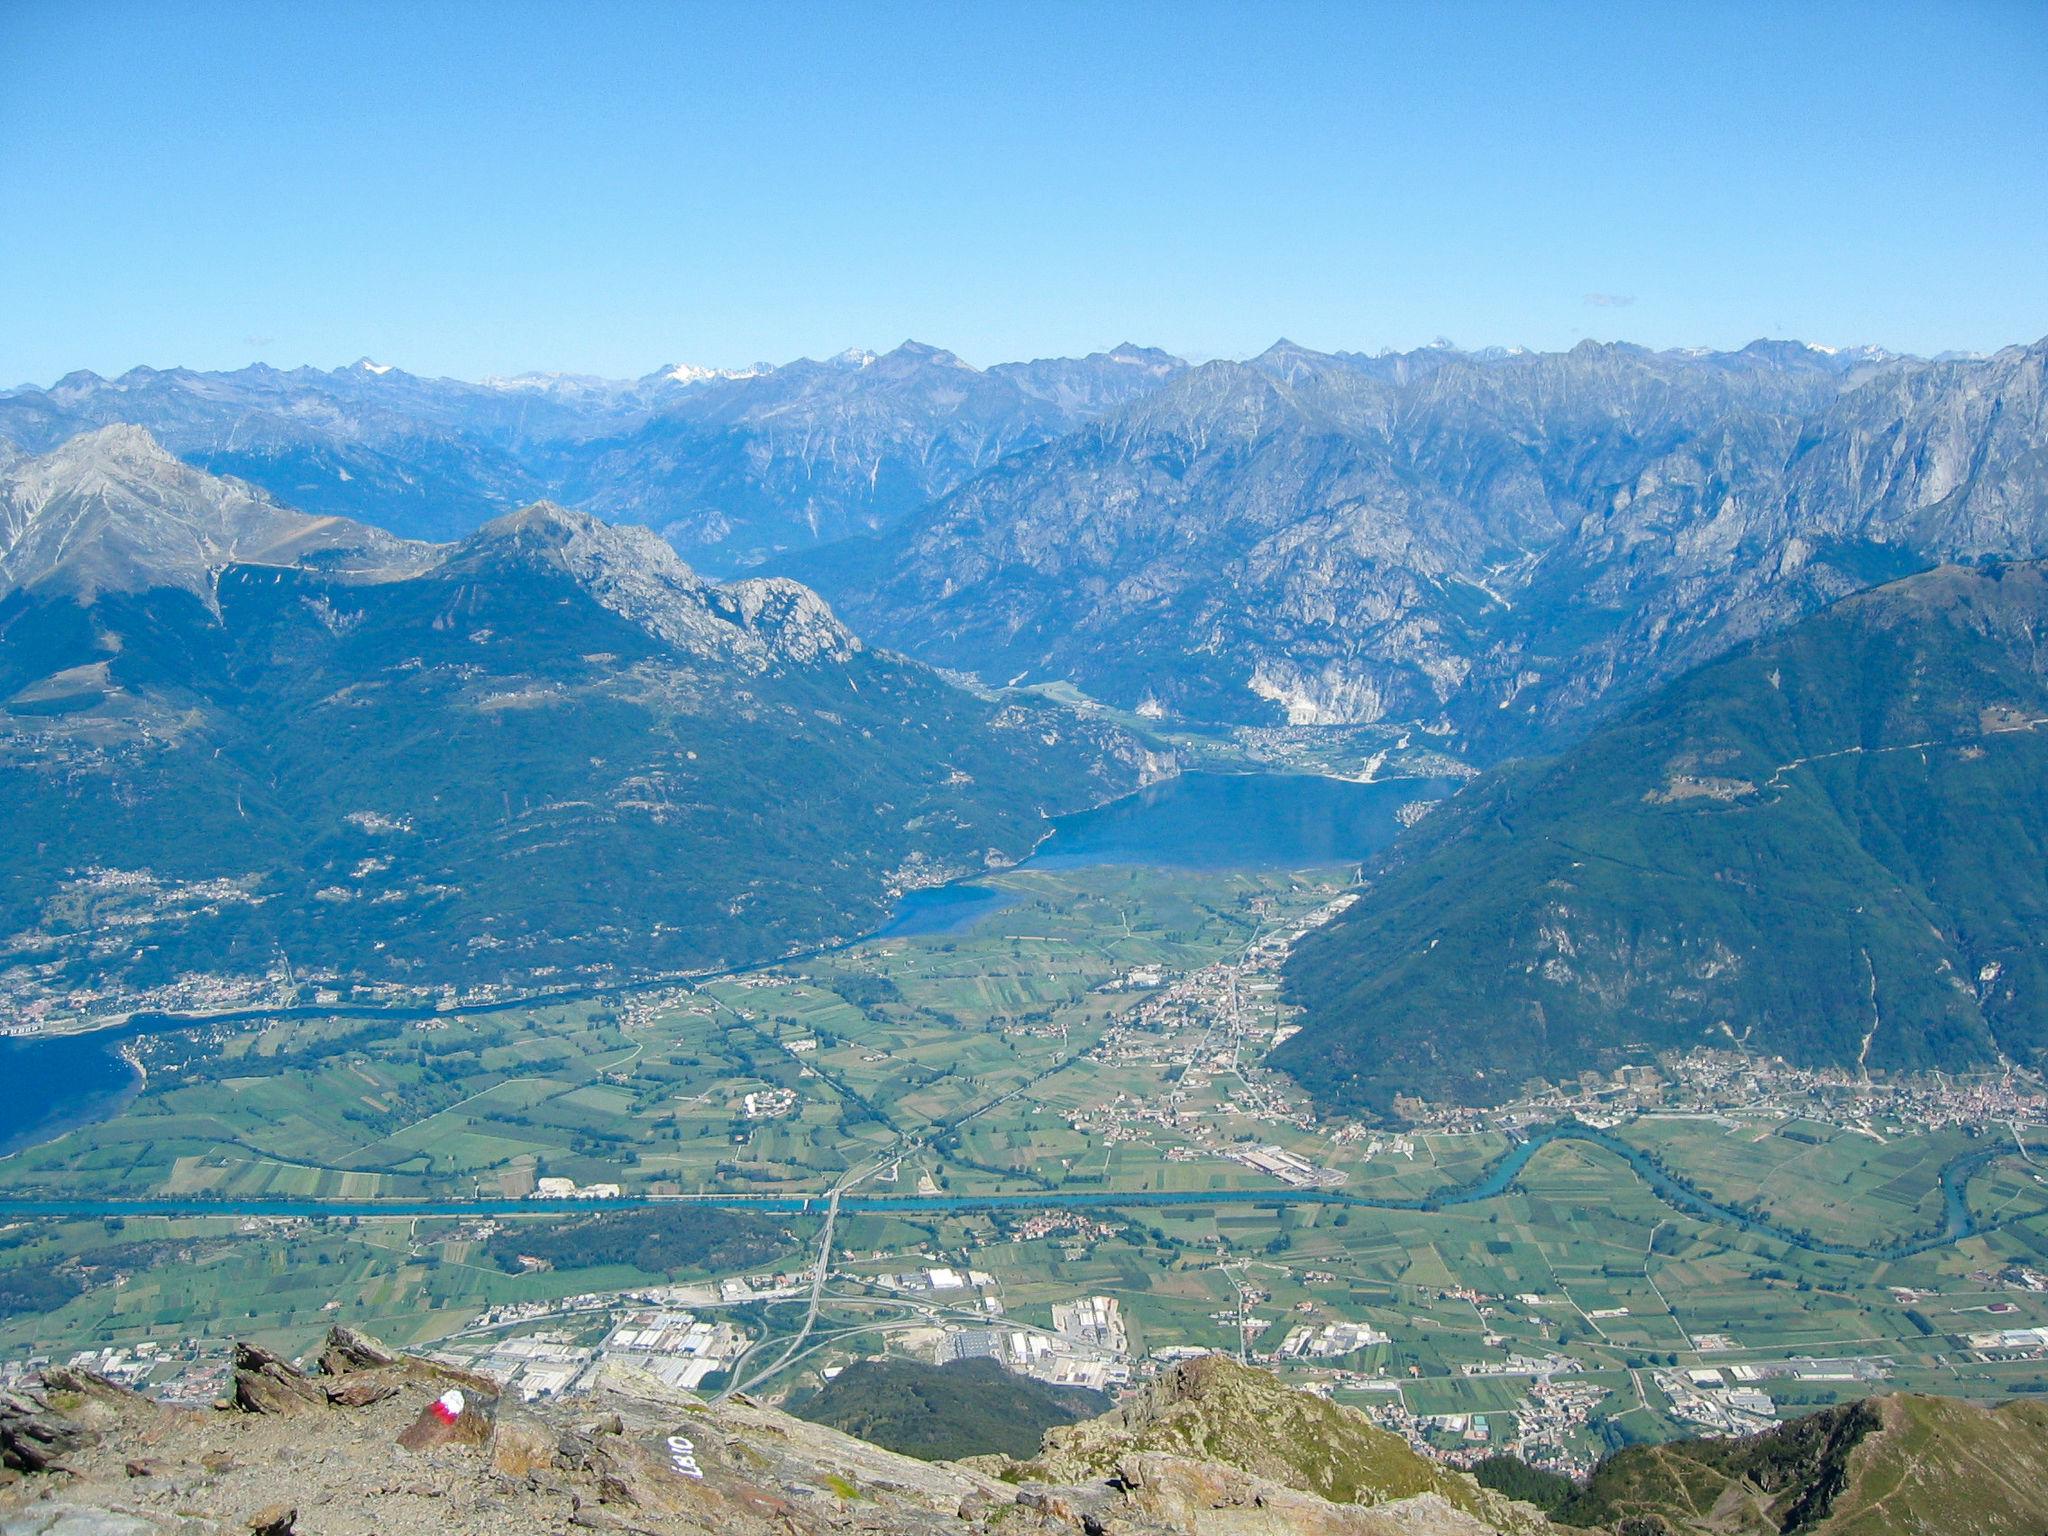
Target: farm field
{"type": "Point", "coordinates": [284, 1283]}
{"type": "Point", "coordinates": [1579, 1260]}
{"type": "Point", "coordinates": [1038, 1053]}
{"type": "Point", "coordinates": [649, 1092]}
{"type": "Point", "coordinates": [1849, 1186]}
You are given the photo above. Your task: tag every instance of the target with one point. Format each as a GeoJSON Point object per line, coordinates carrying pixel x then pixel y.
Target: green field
{"type": "Point", "coordinates": [974, 1062]}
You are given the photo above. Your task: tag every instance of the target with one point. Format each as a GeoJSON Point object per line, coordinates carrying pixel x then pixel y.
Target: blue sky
{"type": "Point", "coordinates": [606, 187]}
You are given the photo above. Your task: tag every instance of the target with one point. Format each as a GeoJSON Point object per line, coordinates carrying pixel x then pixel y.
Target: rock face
{"type": "Point", "coordinates": [1182, 1494]}
{"type": "Point", "coordinates": [111, 511]}
{"type": "Point", "coordinates": [347, 1350]}
{"type": "Point", "coordinates": [753, 624]}
{"type": "Point", "coordinates": [265, 1383]}
{"type": "Point", "coordinates": [736, 469]}
{"type": "Point", "coordinates": [1495, 546]}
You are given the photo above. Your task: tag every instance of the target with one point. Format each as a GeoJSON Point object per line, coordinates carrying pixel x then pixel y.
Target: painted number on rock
{"type": "Point", "coordinates": [682, 1455]}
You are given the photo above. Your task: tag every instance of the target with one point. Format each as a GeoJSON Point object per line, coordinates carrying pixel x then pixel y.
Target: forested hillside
{"type": "Point", "coordinates": [1832, 846]}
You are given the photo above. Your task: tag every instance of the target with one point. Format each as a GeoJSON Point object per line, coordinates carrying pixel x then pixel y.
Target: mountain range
{"type": "Point", "coordinates": [228, 679]}
{"type": "Point", "coordinates": [729, 464]}
{"type": "Point", "coordinates": [1831, 847]}
{"type": "Point", "coordinates": [1495, 549]}
{"type": "Point", "coordinates": [237, 741]}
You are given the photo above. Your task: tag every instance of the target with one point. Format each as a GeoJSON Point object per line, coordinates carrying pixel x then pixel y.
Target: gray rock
{"type": "Point", "coordinates": [266, 1383]}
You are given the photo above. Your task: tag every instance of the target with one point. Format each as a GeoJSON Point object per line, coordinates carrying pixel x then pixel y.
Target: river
{"type": "Point", "coordinates": [1958, 1220]}
{"type": "Point", "coordinates": [53, 1083]}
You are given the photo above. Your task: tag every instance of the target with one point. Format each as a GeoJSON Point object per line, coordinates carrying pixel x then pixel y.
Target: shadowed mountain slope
{"type": "Point", "coordinates": [1830, 846]}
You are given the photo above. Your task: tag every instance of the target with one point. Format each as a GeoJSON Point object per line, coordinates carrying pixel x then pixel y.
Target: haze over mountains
{"type": "Point", "coordinates": [736, 464]}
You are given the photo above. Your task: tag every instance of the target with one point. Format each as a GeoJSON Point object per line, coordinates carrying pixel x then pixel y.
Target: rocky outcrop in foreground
{"type": "Point", "coordinates": [1211, 1428]}
{"type": "Point", "coordinates": [374, 1442]}
{"type": "Point", "coordinates": [371, 1443]}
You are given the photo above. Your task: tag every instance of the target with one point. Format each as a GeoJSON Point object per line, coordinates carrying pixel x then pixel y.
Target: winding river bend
{"type": "Point", "coordinates": [1958, 1220]}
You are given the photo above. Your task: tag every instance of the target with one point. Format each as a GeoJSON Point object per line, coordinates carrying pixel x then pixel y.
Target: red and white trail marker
{"type": "Point", "coordinates": [449, 1418]}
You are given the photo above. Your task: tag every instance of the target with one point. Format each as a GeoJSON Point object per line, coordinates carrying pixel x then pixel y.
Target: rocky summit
{"type": "Point", "coordinates": [370, 1441]}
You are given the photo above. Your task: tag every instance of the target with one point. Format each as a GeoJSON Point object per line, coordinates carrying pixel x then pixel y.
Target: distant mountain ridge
{"type": "Point", "coordinates": [817, 451]}
{"type": "Point", "coordinates": [110, 510]}
{"type": "Point", "coordinates": [1496, 547]}
{"type": "Point", "coordinates": [1490, 547]}
{"type": "Point", "coordinates": [1830, 846]}
{"type": "Point", "coordinates": [733, 463]}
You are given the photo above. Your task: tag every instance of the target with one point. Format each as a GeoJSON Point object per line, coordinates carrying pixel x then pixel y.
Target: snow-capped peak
{"type": "Point", "coordinates": [364, 365]}
{"type": "Point", "coordinates": [692, 373]}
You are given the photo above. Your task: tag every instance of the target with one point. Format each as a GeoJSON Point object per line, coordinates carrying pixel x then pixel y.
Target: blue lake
{"type": "Point", "coordinates": [49, 1084]}
{"type": "Point", "coordinates": [944, 909]}
{"type": "Point", "coordinates": [1238, 821]}
{"type": "Point", "coordinates": [1202, 821]}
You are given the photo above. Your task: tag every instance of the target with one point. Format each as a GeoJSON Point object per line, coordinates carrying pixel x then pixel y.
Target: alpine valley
{"type": "Point", "coordinates": [1435, 942]}
{"type": "Point", "coordinates": [245, 745]}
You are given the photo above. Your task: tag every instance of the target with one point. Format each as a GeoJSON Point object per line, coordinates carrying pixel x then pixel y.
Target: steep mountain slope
{"type": "Point", "coordinates": [1889, 1464]}
{"type": "Point", "coordinates": [1488, 545]}
{"type": "Point", "coordinates": [111, 511]}
{"type": "Point", "coordinates": [421, 457]}
{"type": "Point", "coordinates": [1742, 531]}
{"type": "Point", "coordinates": [741, 468]}
{"type": "Point", "coordinates": [1082, 388]}
{"type": "Point", "coordinates": [553, 751]}
{"type": "Point", "coordinates": [1831, 846]}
